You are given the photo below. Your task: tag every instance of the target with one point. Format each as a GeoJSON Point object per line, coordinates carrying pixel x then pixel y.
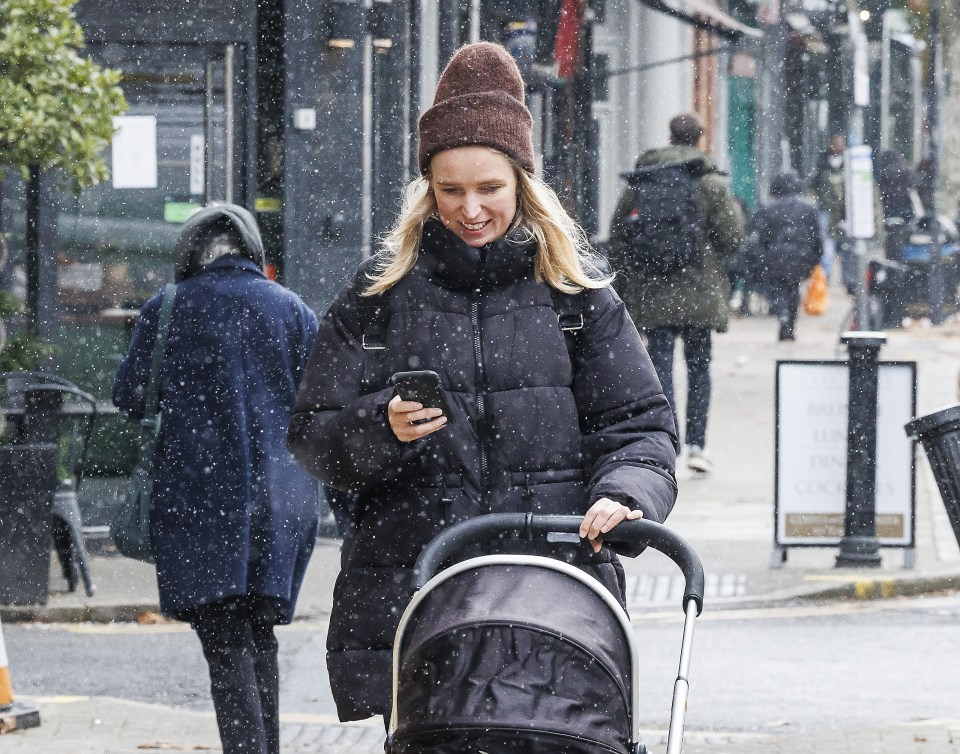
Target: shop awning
{"type": "Point", "coordinates": [703, 14]}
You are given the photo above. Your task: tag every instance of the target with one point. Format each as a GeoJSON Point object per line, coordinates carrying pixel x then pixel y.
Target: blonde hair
{"type": "Point", "coordinates": [564, 258]}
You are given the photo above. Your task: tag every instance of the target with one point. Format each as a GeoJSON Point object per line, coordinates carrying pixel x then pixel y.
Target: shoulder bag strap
{"type": "Point", "coordinates": [569, 309]}
{"type": "Point", "coordinates": [374, 320]}
{"type": "Point", "coordinates": [152, 397]}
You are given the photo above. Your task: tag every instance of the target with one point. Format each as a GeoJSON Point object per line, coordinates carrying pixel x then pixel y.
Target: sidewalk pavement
{"type": "Point", "coordinates": [104, 725]}
{"type": "Point", "coordinates": [727, 517]}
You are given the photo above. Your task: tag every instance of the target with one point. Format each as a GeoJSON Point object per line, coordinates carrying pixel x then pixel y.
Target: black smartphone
{"type": "Point", "coordinates": [424, 388]}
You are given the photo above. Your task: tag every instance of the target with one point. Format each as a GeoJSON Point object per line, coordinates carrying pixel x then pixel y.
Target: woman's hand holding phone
{"type": "Point", "coordinates": [401, 414]}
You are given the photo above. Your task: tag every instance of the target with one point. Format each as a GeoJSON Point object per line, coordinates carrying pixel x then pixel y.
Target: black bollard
{"type": "Point", "coordinates": [860, 546]}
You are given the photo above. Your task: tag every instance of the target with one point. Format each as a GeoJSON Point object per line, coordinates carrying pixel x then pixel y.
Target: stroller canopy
{"type": "Point", "coordinates": [513, 658]}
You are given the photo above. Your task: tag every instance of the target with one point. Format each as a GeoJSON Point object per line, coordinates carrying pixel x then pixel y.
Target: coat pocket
{"type": "Point", "coordinates": [556, 492]}
{"type": "Point", "coordinates": [396, 522]}
{"type": "Point", "coordinates": [445, 491]}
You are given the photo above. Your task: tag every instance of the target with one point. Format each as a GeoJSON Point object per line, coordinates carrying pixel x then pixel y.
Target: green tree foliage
{"type": "Point", "coordinates": [56, 112]}
{"type": "Point", "coordinates": [56, 106]}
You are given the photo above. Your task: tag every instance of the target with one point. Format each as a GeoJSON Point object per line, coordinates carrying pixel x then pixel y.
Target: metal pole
{"type": "Point", "coordinates": [859, 244]}
{"type": "Point", "coordinates": [229, 113]}
{"type": "Point", "coordinates": [208, 134]}
{"type": "Point", "coordinates": [415, 70]}
{"type": "Point", "coordinates": [41, 251]}
{"type": "Point", "coordinates": [771, 100]}
{"type": "Point", "coordinates": [861, 100]}
{"type": "Point", "coordinates": [935, 284]}
{"type": "Point", "coordinates": [681, 687]}
{"type": "Point", "coordinates": [585, 160]}
{"type": "Point", "coordinates": [860, 546]}
{"type": "Point", "coordinates": [366, 191]}
{"type": "Point", "coordinates": [474, 28]}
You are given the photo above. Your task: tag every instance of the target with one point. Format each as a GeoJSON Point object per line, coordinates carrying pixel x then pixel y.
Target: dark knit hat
{"type": "Point", "coordinates": [479, 100]}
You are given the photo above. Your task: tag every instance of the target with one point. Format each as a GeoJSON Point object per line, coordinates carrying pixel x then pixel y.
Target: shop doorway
{"type": "Point", "coordinates": [179, 146]}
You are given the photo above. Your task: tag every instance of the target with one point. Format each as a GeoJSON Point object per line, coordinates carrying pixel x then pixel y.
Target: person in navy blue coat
{"type": "Point", "coordinates": [234, 517]}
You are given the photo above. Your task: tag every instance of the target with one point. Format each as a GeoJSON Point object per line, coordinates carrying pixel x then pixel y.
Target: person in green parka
{"type": "Point", "coordinates": [691, 302]}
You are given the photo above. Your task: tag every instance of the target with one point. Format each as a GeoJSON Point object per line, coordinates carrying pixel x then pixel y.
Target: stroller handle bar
{"type": "Point", "coordinates": [487, 527]}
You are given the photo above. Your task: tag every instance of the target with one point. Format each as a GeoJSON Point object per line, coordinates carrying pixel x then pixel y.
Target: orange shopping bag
{"type": "Point", "coordinates": [815, 300]}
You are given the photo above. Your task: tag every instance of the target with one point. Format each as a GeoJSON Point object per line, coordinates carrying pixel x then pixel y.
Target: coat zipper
{"type": "Point", "coordinates": [481, 382]}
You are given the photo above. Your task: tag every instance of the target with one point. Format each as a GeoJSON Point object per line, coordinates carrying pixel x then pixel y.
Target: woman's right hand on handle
{"type": "Point", "coordinates": [401, 415]}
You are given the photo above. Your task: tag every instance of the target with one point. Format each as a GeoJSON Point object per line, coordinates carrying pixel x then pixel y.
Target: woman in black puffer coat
{"type": "Point", "coordinates": [468, 285]}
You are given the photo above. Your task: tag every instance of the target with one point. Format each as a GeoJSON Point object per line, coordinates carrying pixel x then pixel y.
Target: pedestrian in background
{"type": "Point", "coordinates": [234, 517]}
{"type": "Point", "coordinates": [830, 192]}
{"type": "Point", "coordinates": [898, 185]}
{"type": "Point", "coordinates": [692, 301]}
{"type": "Point", "coordinates": [740, 275]}
{"type": "Point", "coordinates": [786, 246]}
{"type": "Point", "coordinates": [471, 283]}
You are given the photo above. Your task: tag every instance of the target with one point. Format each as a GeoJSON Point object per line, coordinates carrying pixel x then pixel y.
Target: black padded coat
{"type": "Point", "coordinates": [530, 430]}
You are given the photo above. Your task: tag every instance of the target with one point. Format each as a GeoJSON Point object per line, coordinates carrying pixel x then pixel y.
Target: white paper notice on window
{"type": "Point", "coordinates": [860, 192]}
{"type": "Point", "coordinates": [134, 153]}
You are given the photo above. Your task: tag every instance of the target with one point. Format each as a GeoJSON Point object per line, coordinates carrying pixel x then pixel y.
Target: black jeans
{"type": "Point", "coordinates": [241, 652]}
{"type": "Point", "coordinates": [784, 303]}
{"type": "Point", "coordinates": [697, 353]}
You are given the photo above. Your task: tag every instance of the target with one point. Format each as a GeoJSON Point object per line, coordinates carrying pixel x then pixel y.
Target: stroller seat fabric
{"type": "Point", "coordinates": [513, 659]}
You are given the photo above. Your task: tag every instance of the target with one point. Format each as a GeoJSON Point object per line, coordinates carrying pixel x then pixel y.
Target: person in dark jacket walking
{"type": "Point", "coordinates": [234, 517]}
{"type": "Point", "coordinates": [692, 302]}
{"type": "Point", "coordinates": [898, 185]}
{"type": "Point", "coordinates": [829, 190]}
{"type": "Point", "coordinates": [467, 285]}
{"type": "Point", "coordinates": [786, 246]}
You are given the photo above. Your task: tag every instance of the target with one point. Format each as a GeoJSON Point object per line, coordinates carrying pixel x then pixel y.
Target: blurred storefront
{"type": "Point", "coordinates": [305, 112]}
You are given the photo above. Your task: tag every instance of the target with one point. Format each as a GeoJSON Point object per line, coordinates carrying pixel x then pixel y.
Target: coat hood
{"type": "Point", "coordinates": [671, 154]}
{"type": "Point", "coordinates": [210, 221]}
{"type": "Point", "coordinates": [786, 184]}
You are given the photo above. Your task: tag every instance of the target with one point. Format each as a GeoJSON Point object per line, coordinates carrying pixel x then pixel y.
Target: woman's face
{"type": "Point", "coordinates": [476, 191]}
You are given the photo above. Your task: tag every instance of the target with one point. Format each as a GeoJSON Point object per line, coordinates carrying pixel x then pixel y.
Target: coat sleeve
{"type": "Point", "coordinates": [619, 246]}
{"type": "Point", "coordinates": [630, 437]}
{"type": "Point", "coordinates": [723, 216]}
{"type": "Point", "coordinates": [306, 335]}
{"type": "Point", "coordinates": [816, 239]}
{"type": "Point", "coordinates": [130, 384]}
{"type": "Point", "coordinates": [339, 434]}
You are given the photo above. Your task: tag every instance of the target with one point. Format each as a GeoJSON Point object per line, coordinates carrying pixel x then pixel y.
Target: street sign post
{"type": "Point", "coordinates": [861, 211]}
{"type": "Point", "coordinates": [811, 456]}
{"type": "Point", "coordinates": [860, 546]}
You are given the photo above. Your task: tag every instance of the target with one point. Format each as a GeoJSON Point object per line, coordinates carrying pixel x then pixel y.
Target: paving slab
{"type": "Point", "coordinates": [104, 725]}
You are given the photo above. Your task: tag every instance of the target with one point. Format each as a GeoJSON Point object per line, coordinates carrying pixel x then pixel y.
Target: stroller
{"type": "Point", "coordinates": [516, 654]}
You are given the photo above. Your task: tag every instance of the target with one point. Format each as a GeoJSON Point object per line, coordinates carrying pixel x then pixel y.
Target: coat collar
{"type": "Point", "coordinates": [451, 263]}
{"type": "Point", "coordinates": [233, 262]}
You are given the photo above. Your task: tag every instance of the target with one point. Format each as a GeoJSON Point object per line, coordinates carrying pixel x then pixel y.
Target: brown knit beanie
{"type": "Point", "coordinates": [479, 100]}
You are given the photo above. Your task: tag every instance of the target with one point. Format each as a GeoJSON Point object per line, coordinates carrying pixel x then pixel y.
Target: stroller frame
{"type": "Point", "coordinates": [564, 528]}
